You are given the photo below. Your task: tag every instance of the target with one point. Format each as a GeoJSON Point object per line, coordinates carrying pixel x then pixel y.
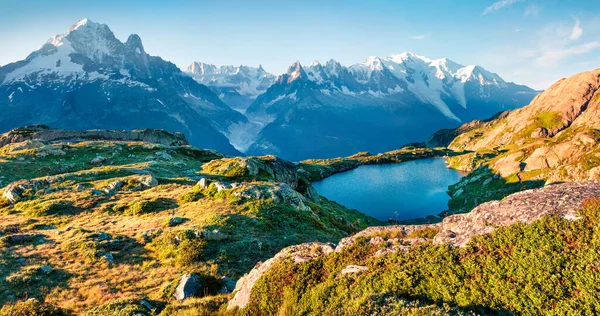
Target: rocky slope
{"type": "Point", "coordinates": [133, 221]}
{"type": "Point", "coordinates": [329, 110]}
{"type": "Point", "coordinates": [553, 139]}
{"type": "Point", "coordinates": [560, 200]}
{"type": "Point", "coordinates": [86, 78]}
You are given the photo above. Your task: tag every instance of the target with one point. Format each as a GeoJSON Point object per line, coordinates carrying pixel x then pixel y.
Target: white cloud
{"type": "Point", "coordinates": [551, 58]}
{"type": "Point", "coordinates": [576, 32]}
{"type": "Point", "coordinates": [420, 37]}
{"type": "Point", "coordinates": [498, 5]}
{"type": "Point", "coordinates": [531, 10]}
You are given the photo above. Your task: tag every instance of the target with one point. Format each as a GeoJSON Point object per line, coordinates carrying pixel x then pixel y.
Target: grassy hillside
{"type": "Point", "coordinates": [103, 224]}
{"type": "Point", "coordinates": [549, 267]}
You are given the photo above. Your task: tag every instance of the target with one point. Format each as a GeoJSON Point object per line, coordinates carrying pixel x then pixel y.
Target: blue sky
{"type": "Point", "coordinates": [525, 41]}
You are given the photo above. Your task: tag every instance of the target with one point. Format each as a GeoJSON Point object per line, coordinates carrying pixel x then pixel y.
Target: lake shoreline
{"type": "Point", "coordinates": [414, 191]}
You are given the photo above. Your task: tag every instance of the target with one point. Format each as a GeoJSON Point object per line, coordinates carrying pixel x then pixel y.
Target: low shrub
{"type": "Point", "coordinates": [145, 206]}
{"type": "Point", "coordinates": [179, 247]}
{"type": "Point", "coordinates": [38, 208]}
{"type": "Point", "coordinates": [119, 307]}
{"type": "Point", "coordinates": [428, 233]}
{"type": "Point", "coordinates": [30, 308]}
{"type": "Point", "coordinates": [192, 195]}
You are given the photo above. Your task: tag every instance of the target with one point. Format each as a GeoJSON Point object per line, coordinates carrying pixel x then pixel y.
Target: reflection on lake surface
{"type": "Point", "coordinates": [412, 189]}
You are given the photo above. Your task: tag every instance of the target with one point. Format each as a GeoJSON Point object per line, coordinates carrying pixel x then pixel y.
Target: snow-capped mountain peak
{"type": "Point", "coordinates": [79, 24]}
{"type": "Point", "coordinates": [237, 86]}
{"type": "Point", "coordinates": [295, 71]}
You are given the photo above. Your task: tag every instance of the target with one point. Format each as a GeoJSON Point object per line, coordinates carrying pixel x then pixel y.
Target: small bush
{"type": "Point", "coordinates": [37, 208]}
{"type": "Point", "coordinates": [145, 206]}
{"type": "Point", "coordinates": [197, 306]}
{"type": "Point", "coordinates": [30, 308]}
{"type": "Point", "coordinates": [118, 308]}
{"type": "Point", "coordinates": [428, 233]}
{"type": "Point", "coordinates": [179, 248]}
{"type": "Point", "coordinates": [192, 195]}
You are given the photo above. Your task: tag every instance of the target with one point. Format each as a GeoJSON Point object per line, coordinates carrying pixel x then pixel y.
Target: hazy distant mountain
{"type": "Point", "coordinates": [236, 86]}
{"type": "Point", "coordinates": [331, 110]}
{"type": "Point", "coordinates": [87, 78]}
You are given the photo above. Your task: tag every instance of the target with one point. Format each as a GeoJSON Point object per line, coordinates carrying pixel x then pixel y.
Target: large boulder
{"type": "Point", "coordinates": [13, 192]}
{"type": "Point", "coordinates": [190, 285]}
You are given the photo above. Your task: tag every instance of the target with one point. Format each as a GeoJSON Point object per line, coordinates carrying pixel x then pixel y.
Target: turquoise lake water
{"type": "Point", "coordinates": [408, 190]}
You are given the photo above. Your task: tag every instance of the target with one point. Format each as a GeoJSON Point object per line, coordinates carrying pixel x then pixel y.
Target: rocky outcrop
{"type": "Point", "coordinates": [523, 207]}
{"type": "Point", "coordinates": [278, 192]}
{"type": "Point", "coordinates": [568, 104]}
{"type": "Point", "coordinates": [190, 285]}
{"type": "Point", "coordinates": [47, 134]}
{"type": "Point", "coordinates": [444, 137]}
{"type": "Point", "coordinates": [298, 253]}
{"type": "Point", "coordinates": [259, 168]}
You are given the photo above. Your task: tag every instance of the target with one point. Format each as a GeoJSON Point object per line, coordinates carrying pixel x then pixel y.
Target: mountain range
{"type": "Point", "coordinates": [237, 86]}
{"type": "Point", "coordinates": [88, 79]}
{"type": "Point", "coordinates": [327, 110]}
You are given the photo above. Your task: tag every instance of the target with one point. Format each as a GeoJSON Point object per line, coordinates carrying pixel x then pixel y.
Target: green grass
{"type": "Point", "coordinates": [549, 120]}
{"type": "Point", "coordinates": [549, 267]}
{"type": "Point", "coordinates": [145, 206]}
{"type": "Point", "coordinates": [178, 248]}
{"type": "Point", "coordinates": [39, 208]}
{"type": "Point", "coordinates": [30, 308]}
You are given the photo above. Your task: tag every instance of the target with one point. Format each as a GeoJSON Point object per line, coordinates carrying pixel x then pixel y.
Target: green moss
{"type": "Point", "coordinates": [591, 162]}
{"type": "Point", "coordinates": [549, 120]}
{"type": "Point", "coordinates": [191, 195]}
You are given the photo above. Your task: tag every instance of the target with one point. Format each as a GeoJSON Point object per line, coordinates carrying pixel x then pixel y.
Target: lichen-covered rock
{"type": "Point", "coordinates": [46, 134]}
{"type": "Point", "coordinates": [522, 207]}
{"type": "Point", "coordinates": [278, 192]}
{"type": "Point", "coordinates": [353, 269]}
{"type": "Point", "coordinates": [13, 192]}
{"type": "Point", "coordinates": [190, 285]}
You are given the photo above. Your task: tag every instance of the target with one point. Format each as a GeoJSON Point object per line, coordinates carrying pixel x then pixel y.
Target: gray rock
{"type": "Point", "coordinates": [190, 285]}
{"type": "Point", "coordinates": [108, 257]}
{"type": "Point", "coordinates": [174, 221]}
{"type": "Point", "coordinates": [46, 269]}
{"type": "Point", "coordinates": [353, 269]}
{"type": "Point", "coordinates": [222, 186]}
{"type": "Point", "coordinates": [147, 305]}
{"type": "Point", "coordinates": [214, 235]}
{"type": "Point", "coordinates": [97, 160]}
{"type": "Point", "coordinates": [148, 180]}
{"type": "Point", "coordinates": [203, 183]}
{"type": "Point", "coordinates": [458, 193]}
{"type": "Point", "coordinates": [163, 155]}
{"type": "Point", "coordinates": [228, 285]}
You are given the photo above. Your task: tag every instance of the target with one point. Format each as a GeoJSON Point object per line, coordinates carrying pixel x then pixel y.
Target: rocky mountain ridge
{"type": "Point", "coordinates": [320, 107]}
{"type": "Point", "coordinates": [86, 78]}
